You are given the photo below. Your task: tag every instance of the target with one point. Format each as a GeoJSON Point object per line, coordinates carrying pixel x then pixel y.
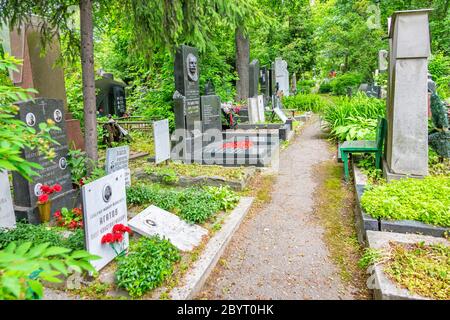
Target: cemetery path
{"type": "Point", "coordinates": [279, 252]}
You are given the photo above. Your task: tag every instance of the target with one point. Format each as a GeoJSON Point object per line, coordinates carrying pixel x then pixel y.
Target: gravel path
{"type": "Point", "coordinates": [279, 253]}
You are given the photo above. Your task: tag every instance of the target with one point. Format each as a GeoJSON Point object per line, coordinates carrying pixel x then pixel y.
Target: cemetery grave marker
{"type": "Point", "coordinates": [7, 217]}
{"type": "Point", "coordinates": [156, 221]}
{"type": "Point", "coordinates": [211, 113]}
{"type": "Point", "coordinates": [104, 205]}
{"type": "Point", "coordinates": [280, 114]}
{"type": "Point", "coordinates": [54, 171]}
{"type": "Point", "coordinates": [116, 159]}
{"type": "Point", "coordinates": [253, 114]}
{"type": "Point", "coordinates": [161, 137]}
{"type": "Point", "coordinates": [253, 72]}
{"type": "Point", "coordinates": [282, 76]}
{"type": "Point", "coordinates": [261, 115]}
{"type": "Point", "coordinates": [407, 138]}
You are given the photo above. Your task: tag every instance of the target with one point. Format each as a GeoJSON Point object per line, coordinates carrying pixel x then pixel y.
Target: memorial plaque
{"type": "Point", "coordinates": [116, 159]}
{"type": "Point", "coordinates": [162, 140]}
{"type": "Point", "coordinates": [211, 113]}
{"type": "Point", "coordinates": [104, 205]}
{"type": "Point", "coordinates": [54, 171]}
{"type": "Point", "coordinates": [7, 217]}
{"type": "Point", "coordinates": [156, 221]}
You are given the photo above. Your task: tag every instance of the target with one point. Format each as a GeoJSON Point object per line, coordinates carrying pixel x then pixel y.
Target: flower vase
{"type": "Point", "coordinates": [44, 211]}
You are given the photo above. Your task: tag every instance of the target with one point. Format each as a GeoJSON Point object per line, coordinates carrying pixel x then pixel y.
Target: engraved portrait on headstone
{"type": "Point", "coordinates": [192, 67]}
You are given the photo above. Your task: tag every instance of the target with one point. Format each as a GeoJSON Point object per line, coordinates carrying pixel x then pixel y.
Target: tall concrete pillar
{"type": "Point", "coordinates": [407, 136]}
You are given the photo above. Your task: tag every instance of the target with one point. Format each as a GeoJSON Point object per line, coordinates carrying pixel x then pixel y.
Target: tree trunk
{"type": "Point", "coordinates": [242, 62]}
{"type": "Point", "coordinates": [88, 78]}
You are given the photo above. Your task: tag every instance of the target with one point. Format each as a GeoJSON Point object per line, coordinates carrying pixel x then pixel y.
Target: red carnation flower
{"type": "Point", "coordinates": [57, 187]}
{"type": "Point", "coordinates": [43, 198]}
{"type": "Point", "coordinates": [46, 189]}
{"type": "Point", "coordinates": [108, 238]}
{"type": "Point", "coordinates": [72, 224]}
{"type": "Point", "coordinates": [57, 214]}
{"type": "Point", "coordinates": [118, 237]}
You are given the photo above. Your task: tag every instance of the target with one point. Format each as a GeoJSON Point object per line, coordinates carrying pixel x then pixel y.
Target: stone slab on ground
{"type": "Point", "coordinates": [410, 226]}
{"type": "Point", "coordinates": [156, 221]}
{"type": "Point", "coordinates": [186, 181]}
{"type": "Point", "coordinates": [384, 288]}
{"type": "Point", "coordinates": [197, 275]}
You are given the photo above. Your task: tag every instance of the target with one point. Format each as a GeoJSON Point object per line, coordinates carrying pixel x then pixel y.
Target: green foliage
{"type": "Point", "coordinates": [424, 200]}
{"type": "Point", "coordinates": [439, 68]}
{"type": "Point", "coordinates": [24, 266]}
{"type": "Point", "coordinates": [16, 135]}
{"type": "Point", "coordinates": [370, 257]}
{"type": "Point", "coordinates": [357, 128]}
{"type": "Point", "coordinates": [149, 262]}
{"type": "Point", "coordinates": [227, 198]}
{"type": "Point", "coordinates": [341, 83]}
{"type": "Point", "coordinates": [305, 102]}
{"type": "Point", "coordinates": [79, 164]}
{"type": "Point", "coordinates": [39, 234]}
{"type": "Point", "coordinates": [194, 205]}
{"type": "Point", "coordinates": [355, 111]}
{"type": "Point", "coordinates": [195, 170]}
{"type": "Point", "coordinates": [367, 166]}
{"type": "Point", "coordinates": [420, 268]}
{"type": "Point", "coordinates": [436, 165]}
{"type": "Point", "coordinates": [325, 87]}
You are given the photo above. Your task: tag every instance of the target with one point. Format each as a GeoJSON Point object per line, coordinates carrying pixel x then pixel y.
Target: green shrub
{"type": "Point", "coordinates": [38, 234]}
{"type": "Point", "coordinates": [305, 102]}
{"type": "Point", "coordinates": [304, 86]}
{"type": "Point", "coordinates": [356, 129]}
{"type": "Point", "coordinates": [325, 87]}
{"type": "Point", "coordinates": [354, 111]}
{"type": "Point", "coordinates": [149, 262]}
{"type": "Point", "coordinates": [439, 68]}
{"type": "Point", "coordinates": [227, 198]}
{"type": "Point", "coordinates": [194, 205]}
{"type": "Point", "coordinates": [340, 84]}
{"type": "Point", "coordinates": [426, 200]}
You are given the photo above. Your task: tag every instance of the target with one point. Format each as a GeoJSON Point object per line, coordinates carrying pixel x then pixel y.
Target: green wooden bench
{"type": "Point", "coordinates": [365, 146]}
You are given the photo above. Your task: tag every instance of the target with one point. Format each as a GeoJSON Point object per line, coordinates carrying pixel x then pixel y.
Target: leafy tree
{"type": "Point", "coordinates": [15, 135]}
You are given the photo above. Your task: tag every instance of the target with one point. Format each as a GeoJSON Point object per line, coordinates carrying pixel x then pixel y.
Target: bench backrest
{"type": "Point", "coordinates": [381, 132]}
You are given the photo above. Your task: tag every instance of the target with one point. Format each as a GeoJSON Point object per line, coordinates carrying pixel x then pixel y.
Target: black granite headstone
{"type": "Point", "coordinates": [186, 84]}
{"type": "Point", "coordinates": [264, 81]}
{"type": "Point", "coordinates": [253, 78]}
{"type": "Point", "coordinates": [54, 171]}
{"type": "Point", "coordinates": [211, 113]}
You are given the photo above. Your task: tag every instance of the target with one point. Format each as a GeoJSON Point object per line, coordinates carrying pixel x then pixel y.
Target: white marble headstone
{"type": "Point", "coordinates": [7, 217]}
{"type": "Point", "coordinates": [280, 114]}
{"type": "Point", "coordinates": [282, 75]}
{"type": "Point", "coordinates": [161, 138]}
{"type": "Point", "coordinates": [156, 221]}
{"type": "Point", "coordinates": [253, 114]}
{"type": "Point", "coordinates": [261, 115]}
{"type": "Point", "coordinates": [104, 205]}
{"type": "Point", "coordinates": [116, 159]}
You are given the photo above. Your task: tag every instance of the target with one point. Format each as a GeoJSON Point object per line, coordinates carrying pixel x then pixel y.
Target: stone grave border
{"type": "Point", "coordinates": [365, 222]}
{"type": "Point", "coordinates": [187, 181]}
{"type": "Point", "coordinates": [197, 275]}
{"type": "Point", "coordinates": [285, 130]}
{"type": "Point", "coordinates": [383, 287]}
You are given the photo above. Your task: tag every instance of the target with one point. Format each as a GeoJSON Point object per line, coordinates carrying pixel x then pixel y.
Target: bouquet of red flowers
{"type": "Point", "coordinates": [72, 219]}
{"type": "Point", "coordinates": [47, 191]}
{"type": "Point", "coordinates": [116, 237]}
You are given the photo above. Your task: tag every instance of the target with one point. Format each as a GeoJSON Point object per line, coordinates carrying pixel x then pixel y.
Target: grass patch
{"type": "Point", "coordinates": [425, 200]}
{"type": "Point", "coordinates": [173, 170]}
{"type": "Point", "coordinates": [422, 269]}
{"type": "Point", "coordinates": [334, 203]}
